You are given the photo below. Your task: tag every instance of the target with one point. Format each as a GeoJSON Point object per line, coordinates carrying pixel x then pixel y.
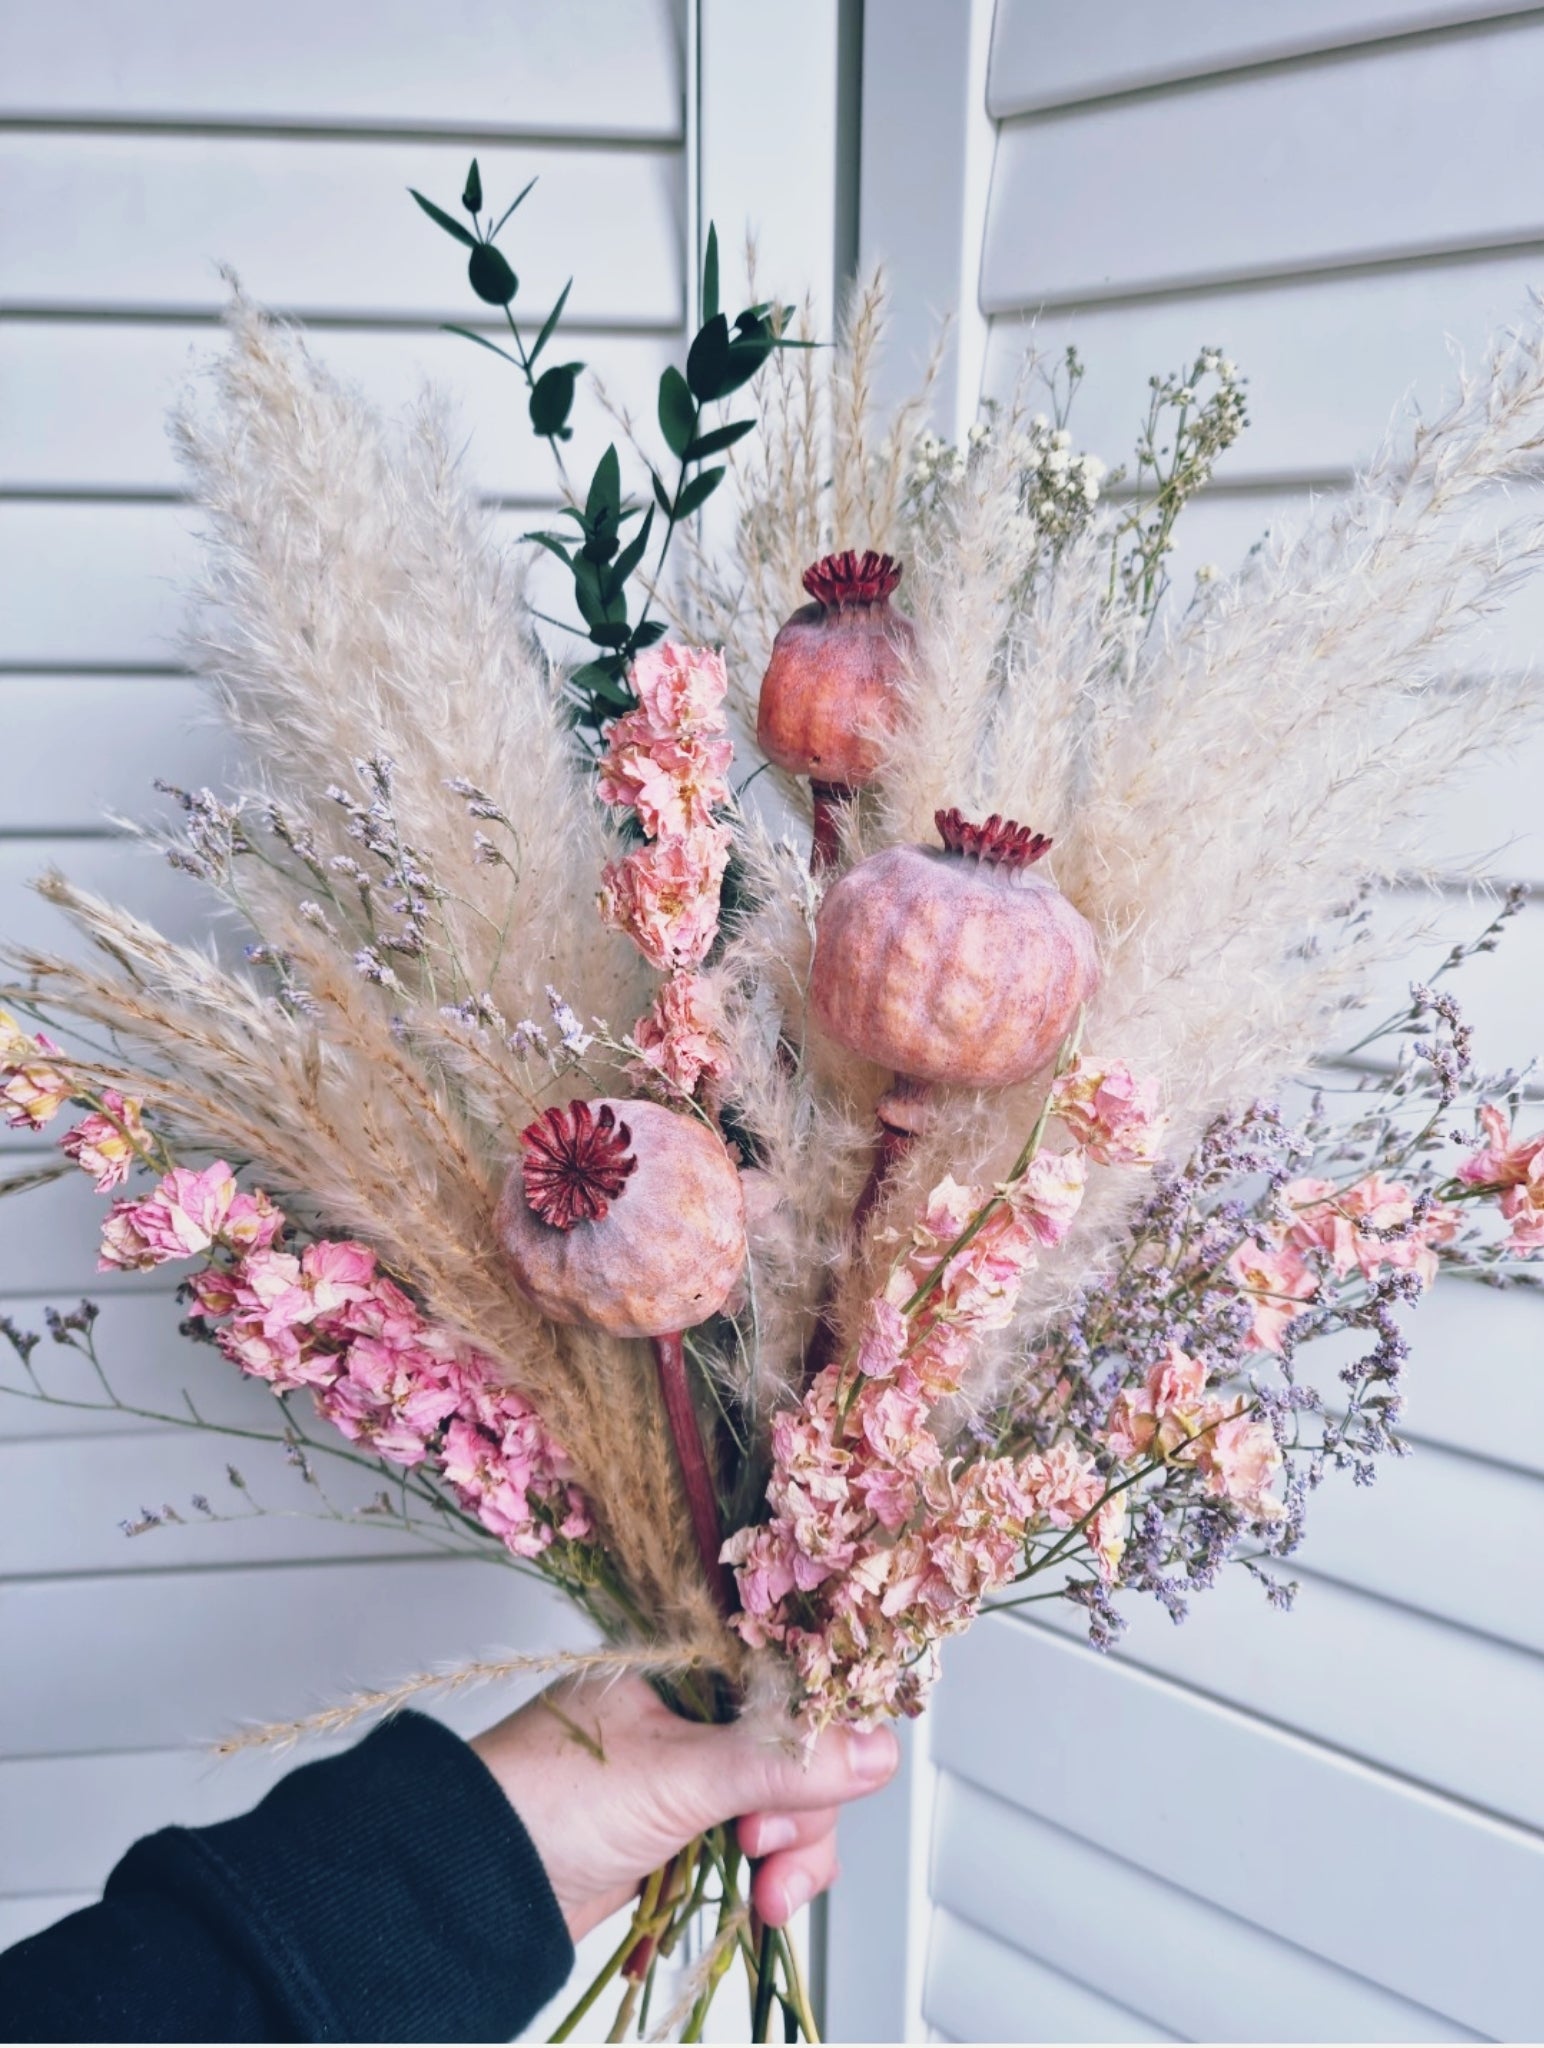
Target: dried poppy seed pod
{"type": "Point", "coordinates": [829, 692]}
{"type": "Point", "coordinates": [957, 966]}
{"type": "Point", "coordinates": [623, 1216]}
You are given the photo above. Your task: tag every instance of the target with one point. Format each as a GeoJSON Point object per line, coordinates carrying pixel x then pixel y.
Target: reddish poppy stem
{"type": "Point", "coordinates": [831, 801]}
{"type": "Point", "coordinates": [696, 1475]}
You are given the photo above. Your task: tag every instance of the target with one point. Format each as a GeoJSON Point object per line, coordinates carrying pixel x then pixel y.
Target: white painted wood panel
{"type": "Point", "coordinates": [1204, 1974]}
{"type": "Point", "coordinates": [478, 65]}
{"type": "Point", "coordinates": [327, 227]}
{"type": "Point", "coordinates": [981, 1989]}
{"type": "Point", "coordinates": [1475, 1382]}
{"type": "Point", "coordinates": [1412, 148]}
{"type": "Point", "coordinates": [103, 585]}
{"type": "Point", "coordinates": [165, 1660]}
{"type": "Point", "coordinates": [1329, 360]}
{"type": "Point", "coordinates": [1356, 1866]}
{"type": "Point", "coordinates": [127, 872]}
{"type": "Point", "coordinates": [124, 732]}
{"type": "Point", "coordinates": [83, 404]}
{"type": "Point", "coordinates": [1356, 1672]}
{"type": "Point", "coordinates": [114, 1479]}
{"type": "Point", "coordinates": [48, 1237]}
{"type": "Point", "coordinates": [147, 1363]}
{"type": "Point", "coordinates": [1446, 1537]}
{"type": "Point", "coordinates": [20, 1917]}
{"type": "Point", "coordinates": [1043, 54]}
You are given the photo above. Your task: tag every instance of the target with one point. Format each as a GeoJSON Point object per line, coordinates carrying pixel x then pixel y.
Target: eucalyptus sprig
{"type": "Point", "coordinates": [495, 283]}
{"type": "Point", "coordinates": [721, 360]}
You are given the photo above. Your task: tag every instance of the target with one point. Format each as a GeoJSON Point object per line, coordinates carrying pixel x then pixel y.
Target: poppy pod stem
{"type": "Point", "coordinates": [696, 1477]}
{"type": "Point", "coordinates": [831, 802]}
{"type": "Point", "coordinates": [901, 1116]}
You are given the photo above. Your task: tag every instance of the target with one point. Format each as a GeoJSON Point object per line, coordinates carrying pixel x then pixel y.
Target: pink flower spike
{"type": "Point", "coordinates": [106, 1143]}
{"type": "Point", "coordinates": [1111, 1114]}
{"type": "Point", "coordinates": [681, 1040]}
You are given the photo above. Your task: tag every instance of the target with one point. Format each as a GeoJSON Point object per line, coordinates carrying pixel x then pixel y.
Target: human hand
{"type": "Point", "coordinates": [609, 1784]}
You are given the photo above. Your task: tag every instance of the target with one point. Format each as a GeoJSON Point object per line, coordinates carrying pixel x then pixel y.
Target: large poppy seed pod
{"type": "Point", "coordinates": [829, 692]}
{"type": "Point", "coordinates": [623, 1216]}
{"type": "Point", "coordinates": [958, 965]}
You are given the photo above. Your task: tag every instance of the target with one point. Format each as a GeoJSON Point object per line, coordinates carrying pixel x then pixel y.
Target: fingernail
{"type": "Point", "coordinates": [872, 1754]}
{"type": "Point", "coordinates": [797, 1888]}
{"type": "Point", "coordinates": [775, 1831]}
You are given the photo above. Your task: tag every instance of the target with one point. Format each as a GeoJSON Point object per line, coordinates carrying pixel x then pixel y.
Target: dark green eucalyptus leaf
{"type": "Point", "coordinates": [605, 499]}
{"type": "Point", "coordinates": [697, 492]}
{"type": "Point", "coordinates": [745, 359]}
{"type": "Point", "coordinates": [718, 440]}
{"type": "Point", "coordinates": [549, 324]}
{"type": "Point", "coordinates": [443, 220]}
{"type": "Point", "coordinates": [708, 358]}
{"type": "Point", "coordinates": [553, 545]}
{"type": "Point", "coordinates": [491, 277]}
{"type": "Point", "coordinates": [661, 495]}
{"type": "Point", "coordinates": [630, 557]}
{"type": "Point", "coordinates": [601, 545]}
{"type": "Point", "coordinates": [603, 680]}
{"type": "Point", "coordinates": [650, 631]}
{"type": "Point", "coordinates": [611, 633]}
{"type": "Point", "coordinates": [710, 274]}
{"type": "Point", "coordinates": [471, 198]}
{"type": "Point", "coordinates": [553, 397]}
{"type": "Point", "coordinates": [677, 412]}
{"type": "Point", "coordinates": [504, 216]}
{"type": "Point", "coordinates": [588, 594]}
{"type": "Point", "coordinates": [482, 341]}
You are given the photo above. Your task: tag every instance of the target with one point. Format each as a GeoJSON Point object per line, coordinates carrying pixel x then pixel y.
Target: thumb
{"type": "Point", "coordinates": [748, 1768]}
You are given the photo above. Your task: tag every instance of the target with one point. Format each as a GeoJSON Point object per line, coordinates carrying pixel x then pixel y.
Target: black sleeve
{"type": "Point", "coordinates": [388, 1894]}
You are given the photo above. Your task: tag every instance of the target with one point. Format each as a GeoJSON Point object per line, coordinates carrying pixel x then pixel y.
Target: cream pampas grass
{"type": "Point", "coordinates": [418, 854]}
{"type": "Point", "coordinates": [1221, 784]}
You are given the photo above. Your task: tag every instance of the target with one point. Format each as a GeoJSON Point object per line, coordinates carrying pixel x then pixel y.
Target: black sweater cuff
{"type": "Point", "coordinates": [387, 1894]}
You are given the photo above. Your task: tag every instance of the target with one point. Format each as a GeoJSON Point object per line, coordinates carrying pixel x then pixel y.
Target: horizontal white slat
{"type": "Point", "coordinates": [1440, 1705]}
{"type": "Point", "coordinates": [121, 869]}
{"type": "Point", "coordinates": [232, 1648]}
{"type": "Point", "coordinates": [87, 585]}
{"type": "Point", "coordinates": [83, 403]}
{"type": "Point", "coordinates": [97, 586]}
{"type": "Point", "coordinates": [48, 1239]}
{"type": "Point", "coordinates": [478, 64]}
{"type": "Point", "coordinates": [109, 1480]}
{"type": "Point", "coordinates": [981, 1989]}
{"type": "Point", "coordinates": [1043, 54]}
{"type": "Point", "coordinates": [1498, 992]}
{"type": "Point", "coordinates": [1474, 1381]}
{"type": "Point", "coordinates": [1034, 1886]}
{"type": "Point", "coordinates": [1429, 1534]}
{"type": "Point", "coordinates": [1353, 1865]}
{"type": "Point", "coordinates": [1322, 166]}
{"type": "Point", "coordinates": [23, 1916]}
{"type": "Point", "coordinates": [83, 748]}
{"type": "Point", "coordinates": [1329, 360]}
{"type": "Point", "coordinates": [65, 1821]}
{"type": "Point", "coordinates": [148, 1365]}
{"type": "Point", "coordinates": [152, 216]}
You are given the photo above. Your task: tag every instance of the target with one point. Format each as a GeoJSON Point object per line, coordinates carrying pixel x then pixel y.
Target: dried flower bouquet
{"type": "Point", "coordinates": [788, 1242]}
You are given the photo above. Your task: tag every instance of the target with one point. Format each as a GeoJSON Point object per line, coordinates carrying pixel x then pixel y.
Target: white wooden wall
{"type": "Point", "coordinates": [1328, 1825]}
